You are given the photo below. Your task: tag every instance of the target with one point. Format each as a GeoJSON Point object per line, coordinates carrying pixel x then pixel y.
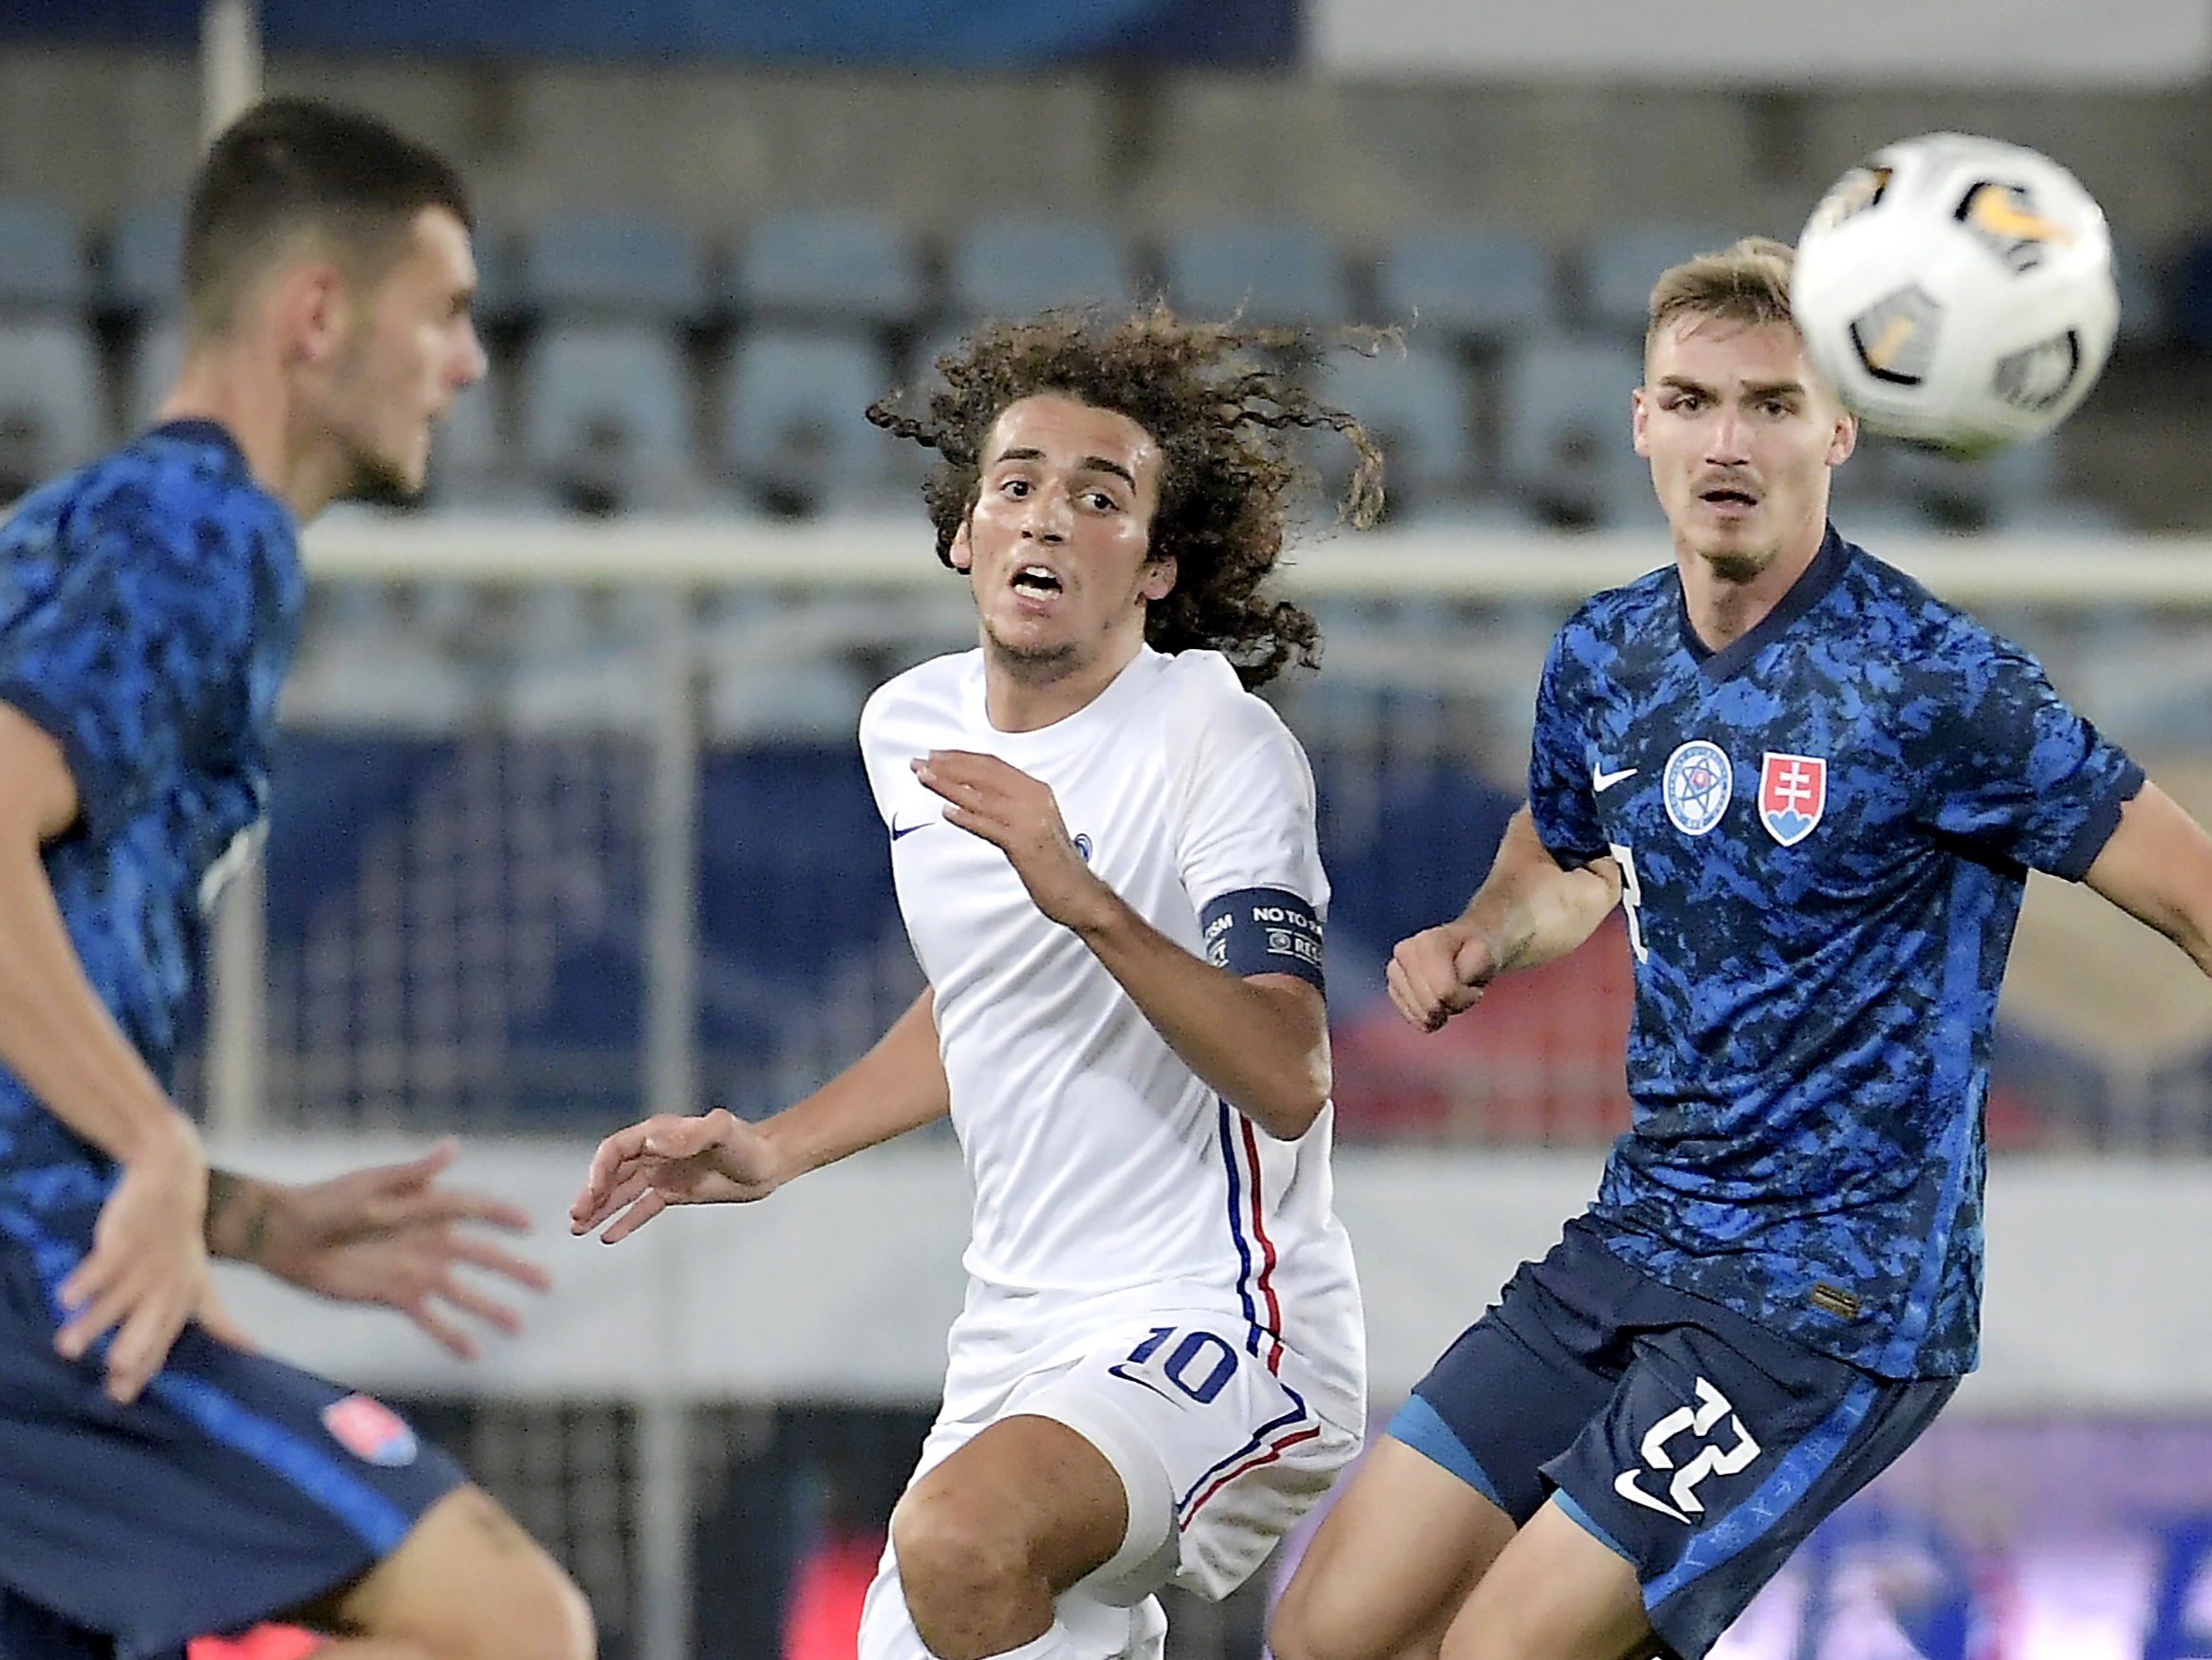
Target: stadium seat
{"type": "Point", "coordinates": [1566, 414]}
{"type": "Point", "coordinates": [49, 414]}
{"type": "Point", "coordinates": [605, 417]}
{"type": "Point", "coordinates": [2144, 319]}
{"type": "Point", "coordinates": [1619, 266]}
{"type": "Point", "coordinates": [1483, 282]}
{"type": "Point", "coordinates": [2192, 293]}
{"type": "Point", "coordinates": [794, 422]}
{"type": "Point", "coordinates": [42, 261]}
{"type": "Point", "coordinates": [1414, 405]}
{"type": "Point", "coordinates": [838, 264]}
{"type": "Point", "coordinates": [1013, 266]}
{"type": "Point", "coordinates": [1280, 272]}
{"type": "Point", "coordinates": [613, 265]}
{"type": "Point", "coordinates": [142, 273]}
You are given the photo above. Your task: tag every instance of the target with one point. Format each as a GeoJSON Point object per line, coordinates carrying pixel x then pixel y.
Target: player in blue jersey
{"type": "Point", "coordinates": [161, 1482]}
{"type": "Point", "coordinates": [1815, 791]}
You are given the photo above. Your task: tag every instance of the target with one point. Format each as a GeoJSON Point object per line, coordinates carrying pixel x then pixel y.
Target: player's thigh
{"type": "Point", "coordinates": [1218, 1452]}
{"type": "Point", "coordinates": [1390, 1564]}
{"type": "Point", "coordinates": [1555, 1591]}
{"type": "Point", "coordinates": [1722, 1448]}
{"type": "Point", "coordinates": [467, 1580]}
{"type": "Point", "coordinates": [1026, 1495]}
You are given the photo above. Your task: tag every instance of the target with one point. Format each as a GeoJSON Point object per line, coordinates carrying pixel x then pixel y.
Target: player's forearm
{"type": "Point", "coordinates": [1530, 910]}
{"type": "Point", "coordinates": [243, 1215]}
{"type": "Point", "coordinates": [898, 1086]}
{"type": "Point", "coordinates": [1262, 1044]}
{"type": "Point", "coordinates": [55, 1034]}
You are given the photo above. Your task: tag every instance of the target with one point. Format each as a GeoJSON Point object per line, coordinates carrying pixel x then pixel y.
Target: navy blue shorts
{"type": "Point", "coordinates": [235, 1487]}
{"type": "Point", "coordinates": [1693, 1441]}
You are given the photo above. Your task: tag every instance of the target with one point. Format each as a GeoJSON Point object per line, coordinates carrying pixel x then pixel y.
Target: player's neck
{"type": "Point", "coordinates": [1727, 597]}
{"type": "Point", "coordinates": [247, 396]}
{"type": "Point", "coordinates": [1025, 694]}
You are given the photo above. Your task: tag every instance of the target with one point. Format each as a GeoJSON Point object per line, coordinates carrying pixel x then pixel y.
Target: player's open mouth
{"type": "Point", "coordinates": [1037, 581]}
{"type": "Point", "coordinates": [1743, 498]}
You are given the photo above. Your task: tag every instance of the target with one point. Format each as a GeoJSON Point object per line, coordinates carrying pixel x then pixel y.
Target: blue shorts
{"type": "Point", "coordinates": [1693, 1441]}
{"type": "Point", "coordinates": [235, 1487]}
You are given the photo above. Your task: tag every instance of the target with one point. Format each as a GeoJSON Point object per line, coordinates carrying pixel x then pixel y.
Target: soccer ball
{"type": "Point", "coordinates": [1956, 292]}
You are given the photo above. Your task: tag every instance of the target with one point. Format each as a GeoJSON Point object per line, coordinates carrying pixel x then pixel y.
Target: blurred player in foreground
{"type": "Point", "coordinates": [162, 1482]}
{"type": "Point", "coordinates": [1103, 848]}
{"type": "Point", "coordinates": [1815, 791]}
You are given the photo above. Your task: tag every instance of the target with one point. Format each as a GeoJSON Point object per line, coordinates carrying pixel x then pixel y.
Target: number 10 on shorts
{"type": "Point", "coordinates": [1200, 1365]}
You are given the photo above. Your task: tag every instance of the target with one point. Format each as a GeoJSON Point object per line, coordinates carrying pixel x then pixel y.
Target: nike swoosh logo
{"type": "Point", "coordinates": [1143, 1383]}
{"type": "Point", "coordinates": [897, 830]}
{"type": "Point", "coordinates": [1601, 782]}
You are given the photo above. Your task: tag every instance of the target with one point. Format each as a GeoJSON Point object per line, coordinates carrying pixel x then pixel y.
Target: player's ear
{"type": "Point", "coordinates": [1845, 440]}
{"type": "Point", "coordinates": [1638, 419]}
{"type": "Point", "coordinates": [1159, 578]}
{"type": "Point", "coordinates": [312, 302]}
{"type": "Point", "coordinates": [961, 556]}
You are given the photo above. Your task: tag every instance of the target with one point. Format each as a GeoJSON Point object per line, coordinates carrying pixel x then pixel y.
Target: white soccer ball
{"type": "Point", "coordinates": [1957, 291]}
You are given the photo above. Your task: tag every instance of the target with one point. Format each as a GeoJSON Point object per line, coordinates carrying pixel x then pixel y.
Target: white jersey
{"type": "Point", "coordinates": [1108, 1180]}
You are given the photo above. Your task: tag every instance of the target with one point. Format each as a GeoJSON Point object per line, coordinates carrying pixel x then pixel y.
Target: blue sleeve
{"type": "Point", "coordinates": [117, 643]}
{"type": "Point", "coordinates": [2017, 772]}
{"type": "Point", "coordinates": [1561, 802]}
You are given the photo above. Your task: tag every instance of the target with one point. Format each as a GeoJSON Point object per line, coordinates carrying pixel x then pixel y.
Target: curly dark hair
{"type": "Point", "coordinates": [1218, 398]}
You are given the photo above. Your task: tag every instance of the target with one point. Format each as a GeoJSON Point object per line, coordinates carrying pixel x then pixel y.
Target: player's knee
{"type": "Point", "coordinates": [953, 1557]}
{"type": "Point", "coordinates": [1303, 1629]}
{"type": "Point", "coordinates": [470, 1584]}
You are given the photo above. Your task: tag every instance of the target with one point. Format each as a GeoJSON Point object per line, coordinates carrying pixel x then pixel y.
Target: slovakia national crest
{"type": "Point", "coordinates": [1793, 793]}
{"type": "Point", "coordinates": [1699, 782]}
{"type": "Point", "coordinates": [370, 1431]}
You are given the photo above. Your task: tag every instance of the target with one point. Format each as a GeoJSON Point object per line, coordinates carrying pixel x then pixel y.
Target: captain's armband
{"type": "Point", "coordinates": [1263, 931]}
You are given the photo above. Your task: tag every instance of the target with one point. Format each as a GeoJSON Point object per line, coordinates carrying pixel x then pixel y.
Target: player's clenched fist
{"type": "Point", "coordinates": [1439, 972]}
{"type": "Point", "coordinates": [636, 1173]}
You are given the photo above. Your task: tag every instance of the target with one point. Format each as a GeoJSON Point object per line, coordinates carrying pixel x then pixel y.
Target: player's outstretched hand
{"type": "Point", "coordinates": [1439, 972]}
{"type": "Point", "coordinates": [392, 1235]}
{"type": "Point", "coordinates": [147, 1269]}
{"type": "Point", "coordinates": [639, 1172]}
{"type": "Point", "coordinates": [1018, 815]}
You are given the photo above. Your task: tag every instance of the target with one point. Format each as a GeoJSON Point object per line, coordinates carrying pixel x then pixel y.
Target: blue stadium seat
{"type": "Point", "coordinates": [143, 270]}
{"type": "Point", "coordinates": [1567, 412]}
{"type": "Point", "coordinates": [794, 422]}
{"type": "Point", "coordinates": [607, 417]}
{"type": "Point", "coordinates": [1414, 405]}
{"type": "Point", "coordinates": [42, 259]}
{"type": "Point", "coordinates": [1619, 266]}
{"type": "Point", "coordinates": [1017, 267]}
{"type": "Point", "coordinates": [1484, 282]}
{"type": "Point", "coordinates": [49, 412]}
{"type": "Point", "coordinates": [1280, 272]}
{"type": "Point", "coordinates": [846, 264]}
{"type": "Point", "coordinates": [613, 265]}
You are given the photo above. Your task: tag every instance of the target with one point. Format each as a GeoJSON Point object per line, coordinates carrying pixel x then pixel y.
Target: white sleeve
{"type": "Point", "coordinates": [1248, 806]}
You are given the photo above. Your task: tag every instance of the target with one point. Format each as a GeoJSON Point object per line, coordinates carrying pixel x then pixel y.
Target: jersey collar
{"type": "Point", "coordinates": [1806, 591]}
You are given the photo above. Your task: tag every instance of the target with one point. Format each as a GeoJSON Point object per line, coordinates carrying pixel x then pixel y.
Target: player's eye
{"type": "Point", "coordinates": [1016, 488]}
{"type": "Point", "coordinates": [1099, 502]}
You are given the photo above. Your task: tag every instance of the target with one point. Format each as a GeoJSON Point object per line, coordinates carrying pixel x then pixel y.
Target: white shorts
{"type": "Point", "coordinates": [1218, 1456]}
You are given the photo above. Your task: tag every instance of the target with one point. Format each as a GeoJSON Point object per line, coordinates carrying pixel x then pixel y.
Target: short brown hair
{"type": "Point", "coordinates": [1747, 282]}
{"type": "Point", "coordinates": [296, 165]}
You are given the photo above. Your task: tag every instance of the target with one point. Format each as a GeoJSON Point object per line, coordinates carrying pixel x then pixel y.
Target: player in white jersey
{"type": "Point", "coordinates": [1104, 846]}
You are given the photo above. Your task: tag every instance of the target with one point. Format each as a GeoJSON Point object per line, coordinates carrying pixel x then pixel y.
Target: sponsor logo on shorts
{"type": "Point", "coordinates": [1681, 1500]}
{"type": "Point", "coordinates": [371, 1432]}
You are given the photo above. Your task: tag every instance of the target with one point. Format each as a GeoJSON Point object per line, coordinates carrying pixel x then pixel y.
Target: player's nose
{"type": "Point", "coordinates": [1046, 517]}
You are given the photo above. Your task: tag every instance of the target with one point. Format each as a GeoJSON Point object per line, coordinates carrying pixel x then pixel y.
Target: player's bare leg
{"type": "Point", "coordinates": [1391, 1564]}
{"type": "Point", "coordinates": [467, 1583]}
{"type": "Point", "coordinates": [1554, 1592]}
{"type": "Point", "coordinates": [986, 1540]}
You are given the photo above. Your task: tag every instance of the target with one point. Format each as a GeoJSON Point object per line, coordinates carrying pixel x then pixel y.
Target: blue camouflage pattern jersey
{"type": "Point", "coordinates": [148, 607]}
{"type": "Point", "coordinates": [1823, 834]}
